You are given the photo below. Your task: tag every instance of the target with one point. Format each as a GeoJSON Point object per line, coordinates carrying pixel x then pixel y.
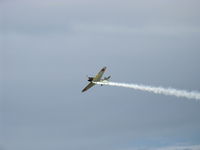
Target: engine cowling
{"type": "Point", "coordinates": [90, 79]}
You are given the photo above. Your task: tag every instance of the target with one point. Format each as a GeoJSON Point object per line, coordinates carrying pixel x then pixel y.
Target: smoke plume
{"type": "Point", "coordinates": [156, 90]}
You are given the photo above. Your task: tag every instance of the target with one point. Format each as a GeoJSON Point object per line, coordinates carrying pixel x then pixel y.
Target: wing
{"type": "Point", "coordinates": [88, 86]}
{"type": "Point", "coordinates": [99, 75]}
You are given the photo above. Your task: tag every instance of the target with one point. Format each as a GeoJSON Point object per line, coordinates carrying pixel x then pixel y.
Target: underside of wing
{"type": "Point", "coordinates": [88, 86]}
{"type": "Point", "coordinates": [99, 75]}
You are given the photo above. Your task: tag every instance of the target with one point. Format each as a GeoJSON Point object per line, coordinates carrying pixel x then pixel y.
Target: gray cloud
{"type": "Point", "coordinates": [49, 47]}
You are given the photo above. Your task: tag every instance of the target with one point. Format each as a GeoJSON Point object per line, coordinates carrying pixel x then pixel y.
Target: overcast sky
{"type": "Point", "coordinates": [47, 49]}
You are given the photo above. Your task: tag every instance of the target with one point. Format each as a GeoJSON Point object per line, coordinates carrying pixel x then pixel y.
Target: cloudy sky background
{"type": "Point", "coordinates": [47, 49]}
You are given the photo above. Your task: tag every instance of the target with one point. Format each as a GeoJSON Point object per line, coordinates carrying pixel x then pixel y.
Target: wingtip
{"type": "Point", "coordinates": [103, 69]}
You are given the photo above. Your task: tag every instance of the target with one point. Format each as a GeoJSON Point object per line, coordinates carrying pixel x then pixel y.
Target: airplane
{"type": "Point", "coordinates": [97, 78]}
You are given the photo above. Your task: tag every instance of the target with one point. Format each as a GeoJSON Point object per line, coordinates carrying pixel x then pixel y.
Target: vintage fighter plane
{"type": "Point", "coordinates": [97, 78]}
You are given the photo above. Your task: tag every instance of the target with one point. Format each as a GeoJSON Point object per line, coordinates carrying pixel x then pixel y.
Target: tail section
{"type": "Point", "coordinates": [107, 78]}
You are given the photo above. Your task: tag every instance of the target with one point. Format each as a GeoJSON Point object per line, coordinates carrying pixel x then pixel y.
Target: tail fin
{"type": "Point", "coordinates": [107, 78]}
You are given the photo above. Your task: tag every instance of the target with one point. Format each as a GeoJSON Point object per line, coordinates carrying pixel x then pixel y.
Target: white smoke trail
{"type": "Point", "coordinates": [156, 90]}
